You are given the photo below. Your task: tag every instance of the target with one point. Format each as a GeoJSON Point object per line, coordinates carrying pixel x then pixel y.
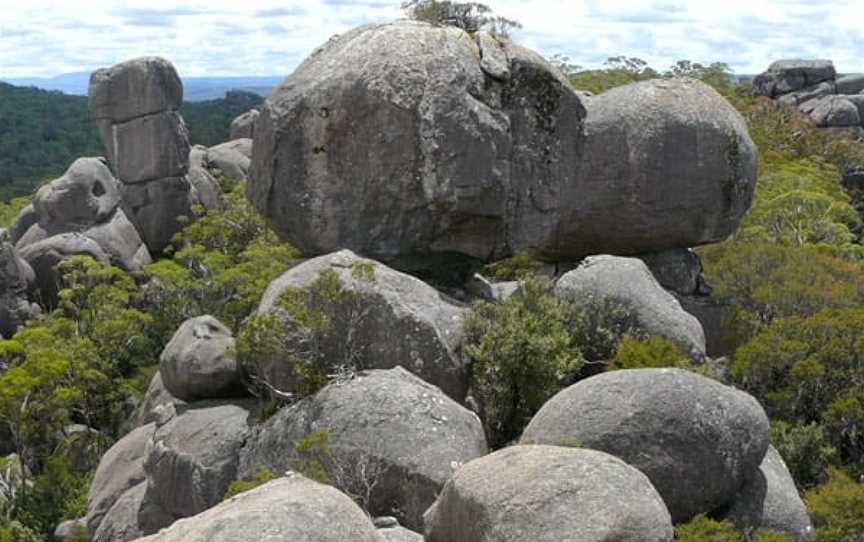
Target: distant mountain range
{"type": "Point", "coordinates": [195, 89]}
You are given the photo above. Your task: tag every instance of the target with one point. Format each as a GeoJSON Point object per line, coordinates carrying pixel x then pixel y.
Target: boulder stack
{"type": "Point", "coordinates": [135, 106]}
{"type": "Point", "coordinates": [408, 142]}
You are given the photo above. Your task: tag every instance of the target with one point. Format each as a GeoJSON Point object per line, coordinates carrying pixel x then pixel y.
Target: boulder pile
{"type": "Point", "coordinates": [408, 143]}
{"type": "Point", "coordinates": [814, 87]}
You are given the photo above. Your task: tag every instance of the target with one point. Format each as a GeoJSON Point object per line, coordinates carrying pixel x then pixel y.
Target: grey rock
{"type": "Point", "coordinates": [44, 255]}
{"type": "Point", "coordinates": [231, 158]}
{"type": "Point", "coordinates": [385, 522]}
{"type": "Point", "coordinates": [405, 433]}
{"type": "Point", "coordinates": [131, 517]}
{"type": "Point", "coordinates": [459, 158]}
{"type": "Point", "coordinates": [25, 219]}
{"type": "Point", "coordinates": [120, 239]}
{"type": "Point", "coordinates": [629, 280]}
{"type": "Point", "coordinates": [244, 125]}
{"type": "Point", "coordinates": [850, 84]}
{"type": "Point", "coordinates": [81, 447]}
{"type": "Point", "coordinates": [770, 500]}
{"type": "Point", "coordinates": [154, 207]}
{"type": "Point", "coordinates": [70, 527]}
{"type": "Point", "coordinates": [147, 148]}
{"type": "Point", "coordinates": [205, 189]}
{"type": "Point", "coordinates": [400, 534]}
{"type": "Point", "coordinates": [719, 339]}
{"type": "Point", "coordinates": [798, 97]}
{"type": "Point", "coordinates": [135, 88]}
{"type": "Point", "coordinates": [548, 494]}
{"type": "Point", "coordinates": [785, 76]}
{"type": "Point", "coordinates": [120, 469]}
{"type": "Point", "coordinates": [198, 362]}
{"type": "Point", "coordinates": [696, 439]}
{"type": "Point", "coordinates": [290, 508]}
{"type": "Point", "coordinates": [678, 270]}
{"type": "Point", "coordinates": [835, 111]}
{"type": "Point", "coordinates": [85, 195]}
{"type": "Point", "coordinates": [404, 322]}
{"type": "Point", "coordinates": [192, 458]}
{"type": "Point", "coordinates": [155, 397]}
{"type": "Point", "coordinates": [16, 279]}
{"type": "Point", "coordinates": [667, 164]}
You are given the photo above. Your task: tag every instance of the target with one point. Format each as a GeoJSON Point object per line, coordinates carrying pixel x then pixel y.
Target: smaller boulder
{"type": "Point", "coordinates": [548, 493]}
{"type": "Point", "coordinates": [85, 195]}
{"type": "Point", "coordinates": [291, 508]}
{"type": "Point", "coordinates": [798, 97]}
{"type": "Point", "coordinates": [155, 400]}
{"type": "Point", "coordinates": [850, 84]}
{"type": "Point", "coordinates": [770, 500]}
{"type": "Point", "coordinates": [630, 281]}
{"type": "Point", "coordinates": [231, 158]}
{"type": "Point", "coordinates": [835, 111]}
{"type": "Point", "coordinates": [70, 527]}
{"type": "Point", "coordinates": [204, 186]}
{"type": "Point", "coordinates": [785, 76]}
{"type": "Point", "coordinates": [678, 270]}
{"type": "Point", "coordinates": [199, 363]}
{"type": "Point", "coordinates": [244, 125]}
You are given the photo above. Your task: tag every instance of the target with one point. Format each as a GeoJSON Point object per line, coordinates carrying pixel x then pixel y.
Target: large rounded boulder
{"type": "Point", "coordinates": [389, 432]}
{"type": "Point", "coordinates": [630, 281]}
{"type": "Point", "coordinates": [407, 141]}
{"type": "Point", "coordinates": [86, 194]}
{"type": "Point", "coordinates": [548, 494]}
{"type": "Point", "coordinates": [382, 319]}
{"type": "Point", "coordinates": [290, 508]}
{"type": "Point", "coordinates": [698, 441]}
{"type": "Point", "coordinates": [199, 361]}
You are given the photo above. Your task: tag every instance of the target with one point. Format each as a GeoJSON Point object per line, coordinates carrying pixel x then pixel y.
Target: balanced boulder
{"type": "Point", "coordinates": [199, 363]}
{"type": "Point", "coordinates": [697, 440]}
{"type": "Point", "coordinates": [232, 158]}
{"type": "Point", "coordinates": [630, 281]}
{"type": "Point", "coordinates": [384, 318]}
{"type": "Point", "coordinates": [290, 508]}
{"type": "Point", "coordinates": [388, 431]}
{"type": "Point", "coordinates": [770, 500]}
{"type": "Point", "coordinates": [406, 142]}
{"type": "Point", "coordinates": [85, 195]}
{"type": "Point", "coordinates": [548, 494]}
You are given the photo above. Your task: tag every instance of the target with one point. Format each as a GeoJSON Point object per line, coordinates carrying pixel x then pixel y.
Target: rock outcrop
{"type": "Point", "coordinates": [156, 399]}
{"type": "Point", "coordinates": [244, 125]}
{"type": "Point", "coordinates": [16, 282]}
{"type": "Point", "coordinates": [548, 493]}
{"type": "Point", "coordinates": [814, 88]}
{"type": "Point", "coordinates": [78, 213]}
{"type": "Point", "coordinates": [232, 158]}
{"type": "Point", "coordinates": [199, 362]}
{"type": "Point", "coordinates": [630, 281]}
{"type": "Point", "coordinates": [290, 508]}
{"type": "Point", "coordinates": [135, 106]}
{"type": "Point", "coordinates": [407, 142]}
{"type": "Point", "coordinates": [388, 431]}
{"type": "Point", "coordinates": [388, 319]}
{"type": "Point", "coordinates": [770, 500]}
{"type": "Point", "coordinates": [697, 440]}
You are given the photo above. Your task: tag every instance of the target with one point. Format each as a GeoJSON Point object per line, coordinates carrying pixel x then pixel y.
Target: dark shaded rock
{"type": "Point", "coordinates": [546, 494]}
{"type": "Point", "coordinates": [696, 439]}
{"type": "Point", "coordinates": [406, 434]}
{"type": "Point", "coordinates": [155, 398]}
{"type": "Point", "coordinates": [404, 322]}
{"type": "Point", "coordinates": [148, 148]}
{"type": "Point", "coordinates": [719, 341]}
{"type": "Point", "coordinates": [836, 111]}
{"type": "Point", "coordinates": [785, 76]}
{"type": "Point", "coordinates": [16, 280]}
{"type": "Point", "coordinates": [850, 84]}
{"type": "Point", "coordinates": [25, 219]}
{"type": "Point", "coordinates": [799, 97]}
{"type": "Point", "coordinates": [678, 270]}
{"type": "Point", "coordinates": [244, 125]}
{"type": "Point", "coordinates": [154, 207]}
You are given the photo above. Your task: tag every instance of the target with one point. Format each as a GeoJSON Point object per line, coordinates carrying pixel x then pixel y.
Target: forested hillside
{"type": "Point", "coordinates": [42, 132]}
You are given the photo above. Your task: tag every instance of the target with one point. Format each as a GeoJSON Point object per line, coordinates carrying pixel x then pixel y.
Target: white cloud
{"type": "Point", "coordinates": [270, 37]}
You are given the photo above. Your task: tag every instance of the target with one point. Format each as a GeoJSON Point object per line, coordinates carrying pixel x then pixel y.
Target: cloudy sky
{"type": "Point", "coordinates": [40, 38]}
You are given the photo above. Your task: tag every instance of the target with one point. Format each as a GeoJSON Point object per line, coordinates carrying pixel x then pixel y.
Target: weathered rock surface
{"type": "Point", "coordinates": [798, 97]}
{"type": "Point", "coordinates": [678, 270]}
{"type": "Point", "coordinates": [784, 76]}
{"type": "Point", "coordinates": [405, 433]}
{"type": "Point", "coordinates": [85, 195]}
{"type": "Point", "coordinates": [232, 158]}
{"type": "Point", "coordinates": [135, 88]}
{"type": "Point", "coordinates": [43, 256]}
{"type": "Point", "coordinates": [70, 527]}
{"type": "Point", "coordinates": [835, 111]}
{"type": "Point", "coordinates": [548, 494]}
{"type": "Point", "coordinates": [154, 207]}
{"type": "Point", "coordinates": [244, 125]}
{"type": "Point", "coordinates": [204, 189]}
{"type": "Point", "coordinates": [630, 281]}
{"type": "Point", "coordinates": [25, 219]}
{"type": "Point", "coordinates": [16, 280]}
{"type": "Point", "coordinates": [291, 508]}
{"type": "Point", "coordinates": [149, 148]}
{"type": "Point", "coordinates": [850, 84]}
{"type": "Point", "coordinates": [155, 398]}
{"type": "Point", "coordinates": [399, 534]}
{"type": "Point", "coordinates": [131, 517]}
{"type": "Point", "coordinates": [403, 322]}
{"type": "Point", "coordinates": [192, 458]}
{"type": "Point", "coordinates": [770, 500]}
{"type": "Point", "coordinates": [199, 363]}
{"type": "Point", "coordinates": [120, 470]}
{"type": "Point", "coordinates": [696, 439]}
{"type": "Point", "coordinates": [478, 147]}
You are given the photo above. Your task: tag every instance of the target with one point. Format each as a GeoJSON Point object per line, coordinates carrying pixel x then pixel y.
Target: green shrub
{"type": "Point", "coordinates": [805, 450]}
{"type": "Point", "coordinates": [314, 451]}
{"type": "Point", "coordinates": [516, 267]}
{"type": "Point", "coordinates": [837, 508]}
{"type": "Point", "coordinates": [598, 326]}
{"type": "Point", "coordinates": [703, 529]}
{"type": "Point", "coordinates": [521, 352]}
{"type": "Point", "coordinates": [240, 486]}
{"type": "Point", "coordinates": [653, 352]}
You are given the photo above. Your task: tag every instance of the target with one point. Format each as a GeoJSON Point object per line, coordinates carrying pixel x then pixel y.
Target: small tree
{"type": "Point", "coordinates": [469, 16]}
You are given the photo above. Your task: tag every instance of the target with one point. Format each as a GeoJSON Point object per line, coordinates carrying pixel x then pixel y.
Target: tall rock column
{"type": "Point", "coordinates": [135, 106]}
